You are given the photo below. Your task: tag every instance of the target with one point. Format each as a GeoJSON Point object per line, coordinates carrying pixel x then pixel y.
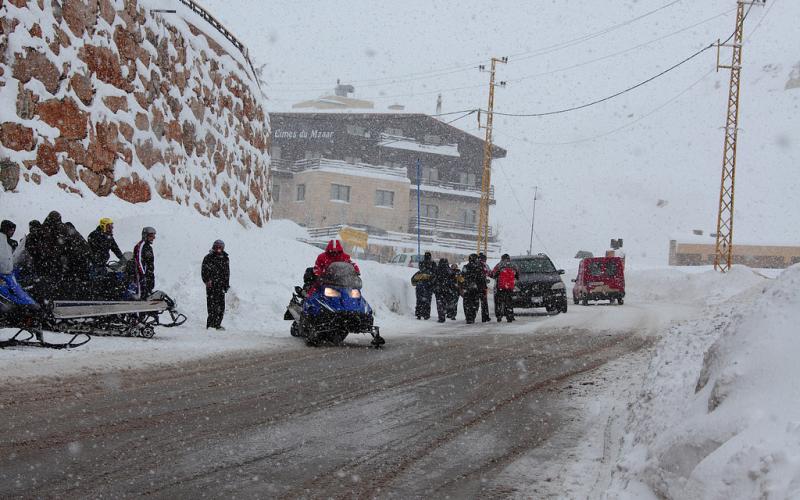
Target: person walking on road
{"type": "Point", "coordinates": [144, 263]}
{"type": "Point", "coordinates": [474, 287]}
{"type": "Point", "coordinates": [455, 293]}
{"type": "Point", "coordinates": [505, 275]}
{"type": "Point", "coordinates": [423, 281]}
{"type": "Point", "coordinates": [216, 274]}
{"type": "Point", "coordinates": [443, 284]}
{"type": "Point", "coordinates": [485, 296]}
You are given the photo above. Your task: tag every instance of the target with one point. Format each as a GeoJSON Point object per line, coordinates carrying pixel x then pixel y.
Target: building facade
{"type": "Point", "coordinates": [758, 256]}
{"type": "Point", "coordinates": [362, 170]}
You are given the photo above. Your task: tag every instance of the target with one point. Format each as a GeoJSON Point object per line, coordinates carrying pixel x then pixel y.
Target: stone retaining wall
{"type": "Point", "coordinates": [102, 96]}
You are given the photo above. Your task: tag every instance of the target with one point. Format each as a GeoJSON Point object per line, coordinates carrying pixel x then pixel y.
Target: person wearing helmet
{"type": "Point", "coordinates": [144, 263]}
{"type": "Point", "coordinates": [216, 273]}
{"type": "Point", "coordinates": [101, 242]}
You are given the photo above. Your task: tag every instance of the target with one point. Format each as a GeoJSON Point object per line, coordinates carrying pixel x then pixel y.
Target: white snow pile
{"type": "Point", "coordinates": [266, 263]}
{"type": "Point", "coordinates": [724, 424]}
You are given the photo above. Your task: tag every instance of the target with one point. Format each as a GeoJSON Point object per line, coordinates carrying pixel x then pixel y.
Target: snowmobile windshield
{"type": "Point", "coordinates": [341, 275]}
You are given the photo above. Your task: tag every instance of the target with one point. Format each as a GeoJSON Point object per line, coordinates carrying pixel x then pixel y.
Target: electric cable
{"type": "Point", "coordinates": [623, 127]}
{"type": "Point", "coordinates": [459, 68]}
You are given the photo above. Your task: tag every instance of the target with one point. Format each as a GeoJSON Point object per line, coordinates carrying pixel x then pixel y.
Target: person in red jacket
{"type": "Point", "coordinates": [333, 253]}
{"type": "Point", "coordinates": [506, 275]}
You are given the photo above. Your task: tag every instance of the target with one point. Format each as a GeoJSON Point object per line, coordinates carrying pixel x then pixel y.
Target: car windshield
{"type": "Point", "coordinates": [343, 275]}
{"type": "Point", "coordinates": [535, 266]}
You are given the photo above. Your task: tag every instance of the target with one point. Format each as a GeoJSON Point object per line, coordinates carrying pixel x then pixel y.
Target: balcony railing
{"type": "Point", "coordinates": [445, 187]}
{"type": "Point", "coordinates": [432, 225]}
{"type": "Point", "coordinates": [451, 186]}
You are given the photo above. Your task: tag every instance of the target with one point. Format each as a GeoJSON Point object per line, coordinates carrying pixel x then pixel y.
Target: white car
{"type": "Point", "coordinates": [405, 260]}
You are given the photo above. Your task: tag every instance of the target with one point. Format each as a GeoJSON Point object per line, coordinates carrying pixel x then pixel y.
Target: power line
{"type": "Point", "coordinates": [613, 131]}
{"type": "Point", "coordinates": [612, 96]}
{"type": "Point", "coordinates": [421, 75]}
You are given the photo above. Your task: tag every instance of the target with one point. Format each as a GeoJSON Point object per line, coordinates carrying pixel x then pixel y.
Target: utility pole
{"type": "Point", "coordinates": [486, 180]}
{"type": "Point", "coordinates": [723, 258]}
{"type": "Point", "coordinates": [533, 218]}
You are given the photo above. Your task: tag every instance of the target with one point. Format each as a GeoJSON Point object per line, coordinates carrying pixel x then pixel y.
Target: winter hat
{"type": "Point", "coordinates": [219, 243]}
{"type": "Point", "coordinates": [7, 226]}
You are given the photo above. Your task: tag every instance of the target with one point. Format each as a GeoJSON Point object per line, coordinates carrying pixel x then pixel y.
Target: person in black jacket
{"type": "Point", "coordinates": [101, 241]}
{"type": "Point", "coordinates": [424, 287]}
{"type": "Point", "coordinates": [216, 274]}
{"type": "Point", "coordinates": [7, 228]}
{"type": "Point", "coordinates": [474, 286]}
{"type": "Point", "coordinates": [444, 282]}
{"type": "Point", "coordinates": [144, 263]}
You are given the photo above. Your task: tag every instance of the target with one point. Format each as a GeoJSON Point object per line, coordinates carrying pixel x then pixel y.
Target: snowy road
{"type": "Point", "coordinates": [443, 415]}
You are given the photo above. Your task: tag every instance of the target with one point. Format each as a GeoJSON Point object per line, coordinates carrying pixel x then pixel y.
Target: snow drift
{"type": "Point", "coordinates": [724, 424]}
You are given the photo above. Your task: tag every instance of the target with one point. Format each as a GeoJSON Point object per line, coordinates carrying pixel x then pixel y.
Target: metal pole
{"type": "Point", "coordinates": [419, 215]}
{"type": "Point", "coordinates": [533, 219]}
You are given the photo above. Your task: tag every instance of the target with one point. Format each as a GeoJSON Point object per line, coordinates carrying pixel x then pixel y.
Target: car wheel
{"type": "Point", "coordinates": [564, 307]}
{"type": "Point", "coordinates": [575, 300]}
{"type": "Point", "coordinates": [585, 301]}
{"type": "Point", "coordinates": [620, 301]}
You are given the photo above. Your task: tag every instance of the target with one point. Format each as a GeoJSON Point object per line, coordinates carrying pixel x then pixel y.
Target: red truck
{"type": "Point", "coordinates": [600, 278]}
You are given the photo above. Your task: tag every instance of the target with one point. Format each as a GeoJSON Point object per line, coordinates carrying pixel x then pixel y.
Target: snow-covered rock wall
{"type": "Point", "coordinates": [108, 96]}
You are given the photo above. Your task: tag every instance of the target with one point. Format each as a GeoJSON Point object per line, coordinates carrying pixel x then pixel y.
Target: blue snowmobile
{"type": "Point", "coordinates": [334, 310]}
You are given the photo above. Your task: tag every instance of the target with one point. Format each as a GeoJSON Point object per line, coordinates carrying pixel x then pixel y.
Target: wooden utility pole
{"type": "Point", "coordinates": [486, 180]}
{"type": "Point", "coordinates": [723, 258]}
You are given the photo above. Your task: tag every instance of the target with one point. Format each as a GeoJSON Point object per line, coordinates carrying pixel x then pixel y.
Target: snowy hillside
{"type": "Point", "coordinates": [642, 166]}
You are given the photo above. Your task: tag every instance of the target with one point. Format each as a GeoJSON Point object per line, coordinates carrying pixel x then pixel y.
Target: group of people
{"type": "Point", "coordinates": [447, 283]}
{"type": "Point", "coordinates": [55, 262]}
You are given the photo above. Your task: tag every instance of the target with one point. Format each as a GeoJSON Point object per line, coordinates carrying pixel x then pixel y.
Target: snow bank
{"type": "Point", "coordinates": [266, 264]}
{"type": "Point", "coordinates": [724, 424]}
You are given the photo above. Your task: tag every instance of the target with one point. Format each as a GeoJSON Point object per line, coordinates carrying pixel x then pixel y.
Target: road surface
{"type": "Point", "coordinates": [424, 417]}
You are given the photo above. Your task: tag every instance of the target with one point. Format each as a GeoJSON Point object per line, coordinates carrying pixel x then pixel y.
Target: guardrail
{"type": "Point", "coordinates": [202, 12]}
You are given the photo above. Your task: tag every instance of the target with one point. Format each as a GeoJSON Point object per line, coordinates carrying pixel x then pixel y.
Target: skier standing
{"type": "Point", "coordinates": [506, 275]}
{"type": "Point", "coordinates": [216, 273]}
{"type": "Point", "coordinates": [144, 263]}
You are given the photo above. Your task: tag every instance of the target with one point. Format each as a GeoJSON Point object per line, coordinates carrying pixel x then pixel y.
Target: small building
{"type": "Point", "coordinates": [695, 252]}
{"type": "Point", "coordinates": [361, 169]}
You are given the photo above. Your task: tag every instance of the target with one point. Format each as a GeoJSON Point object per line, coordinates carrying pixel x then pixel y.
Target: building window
{"type": "Point", "coordinates": [384, 198]}
{"type": "Point", "coordinates": [469, 216]}
{"type": "Point", "coordinates": [313, 155]}
{"type": "Point", "coordinates": [275, 152]}
{"type": "Point", "coordinates": [340, 192]}
{"type": "Point", "coordinates": [276, 192]}
{"type": "Point", "coordinates": [301, 192]}
{"type": "Point", "coordinates": [431, 211]}
{"type": "Point", "coordinates": [467, 179]}
{"type": "Point", "coordinates": [356, 130]}
{"type": "Point", "coordinates": [430, 174]}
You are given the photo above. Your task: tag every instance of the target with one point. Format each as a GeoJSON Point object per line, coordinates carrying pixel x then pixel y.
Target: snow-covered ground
{"type": "Point", "coordinates": [718, 413]}
{"type": "Point", "coordinates": [711, 410]}
{"type": "Point", "coordinates": [265, 266]}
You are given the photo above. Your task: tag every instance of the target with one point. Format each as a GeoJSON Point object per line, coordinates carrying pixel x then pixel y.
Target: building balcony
{"type": "Point", "coordinates": [452, 188]}
{"type": "Point", "coordinates": [433, 226]}
{"type": "Point", "coordinates": [339, 166]}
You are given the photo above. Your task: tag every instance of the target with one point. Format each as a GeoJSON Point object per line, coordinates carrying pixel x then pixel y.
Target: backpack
{"type": "Point", "coordinates": [505, 281]}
